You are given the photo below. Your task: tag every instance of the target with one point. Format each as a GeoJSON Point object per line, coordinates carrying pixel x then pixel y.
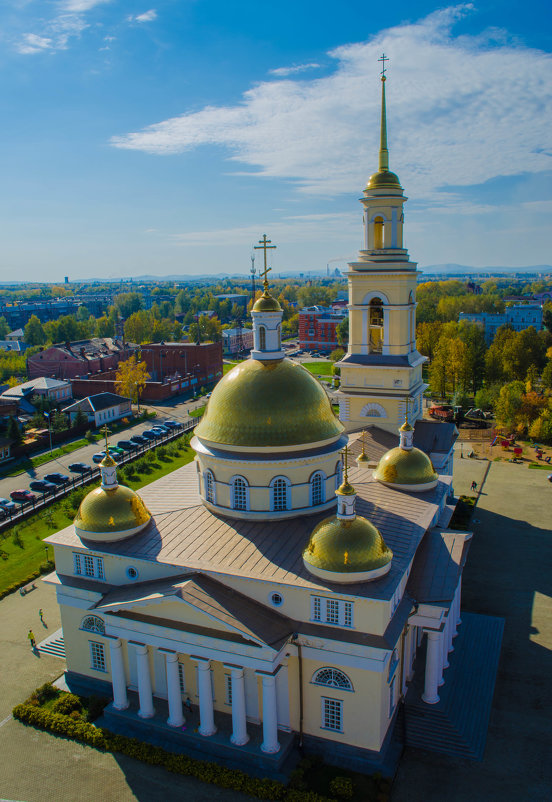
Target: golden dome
{"type": "Point", "coordinates": [346, 547]}
{"type": "Point", "coordinates": [108, 461]}
{"type": "Point", "coordinates": [362, 458]}
{"type": "Point", "coordinates": [383, 179]}
{"type": "Point", "coordinates": [406, 427]}
{"type": "Point", "coordinates": [262, 404]}
{"type": "Point", "coordinates": [406, 467]}
{"type": "Point", "coordinates": [266, 303]}
{"type": "Point", "coordinates": [109, 515]}
{"type": "Point", "coordinates": [345, 489]}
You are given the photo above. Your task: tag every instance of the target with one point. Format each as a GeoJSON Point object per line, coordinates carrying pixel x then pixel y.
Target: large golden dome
{"type": "Point", "coordinates": [353, 547]}
{"type": "Point", "coordinates": [384, 179]}
{"type": "Point", "coordinates": [266, 303]}
{"type": "Point", "coordinates": [263, 404]}
{"type": "Point", "coordinates": [406, 468]}
{"type": "Point", "coordinates": [110, 515]}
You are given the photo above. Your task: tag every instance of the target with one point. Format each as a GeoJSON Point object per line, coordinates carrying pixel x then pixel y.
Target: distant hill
{"type": "Point", "coordinates": [467, 269]}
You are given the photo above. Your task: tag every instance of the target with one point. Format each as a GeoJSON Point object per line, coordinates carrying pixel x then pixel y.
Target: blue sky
{"type": "Point", "coordinates": [167, 137]}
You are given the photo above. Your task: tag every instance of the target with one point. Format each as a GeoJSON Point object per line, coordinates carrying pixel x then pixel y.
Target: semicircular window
{"type": "Point", "coordinates": [333, 678]}
{"type": "Point", "coordinates": [93, 624]}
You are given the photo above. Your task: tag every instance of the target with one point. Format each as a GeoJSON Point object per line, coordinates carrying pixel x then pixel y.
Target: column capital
{"type": "Point", "coordinates": [114, 641]}
{"type": "Point", "coordinates": [235, 669]}
{"type": "Point", "coordinates": [172, 657]}
{"type": "Point", "coordinates": [141, 648]}
{"type": "Point", "coordinates": [202, 662]}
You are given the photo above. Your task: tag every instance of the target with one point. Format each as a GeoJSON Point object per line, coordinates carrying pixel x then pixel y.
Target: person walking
{"type": "Point", "coordinates": [31, 638]}
{"type": "Point", "coordinates": [474, 485]}
{"type": "Point", "coordinates": [40, 616]}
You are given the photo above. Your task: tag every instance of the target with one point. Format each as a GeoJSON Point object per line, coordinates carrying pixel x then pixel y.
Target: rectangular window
{"type": "Point", "coordinates": [332, 611]}
{"type": "Point", "coordinates": [78, 563]}
{"type": "Point", "coordinates": [88, 565]}
{"type": "Point", "coordinates": [316, 608]}
{"type": "Point", "coordinates": [99, 567]}
{"type": "Point", "coordinates": [228, 688]}
{"type": "Point", "coordinates": [181, 678]}
{"type": "Point", "coordinates": [332, 714]}
{"type": "Point", "coordinates": [97, 656]}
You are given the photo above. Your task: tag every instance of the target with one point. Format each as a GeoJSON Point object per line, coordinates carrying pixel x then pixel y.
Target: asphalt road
{"type": "Point", "coordinates": [85, 454]}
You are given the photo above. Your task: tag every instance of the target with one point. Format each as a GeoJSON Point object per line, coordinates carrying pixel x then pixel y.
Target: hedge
{"type": "Point", "coordinates": [45, 568]}
{"type": "Point", "coordinates": [202, 770]}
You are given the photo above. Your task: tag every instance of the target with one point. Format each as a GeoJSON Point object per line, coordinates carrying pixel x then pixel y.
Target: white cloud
{"type": "Point", "coordinates": [283, 72]}
{"type": "Point", "coordinates": [147, 16]}
{"type": "Point", "coordinates": [68, 23]}
{"type": "Point", "coordinates": [460, 112]}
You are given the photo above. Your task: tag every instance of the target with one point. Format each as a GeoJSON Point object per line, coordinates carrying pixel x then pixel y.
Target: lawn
{"type": "Point", "coordinates": [22, 551]}
{"type": "Point", "coordinates": [227, 367]}
{"type": "Point", "coordinates": [197, 413]}
{"type": "Point", "coordinates": [319, 368]}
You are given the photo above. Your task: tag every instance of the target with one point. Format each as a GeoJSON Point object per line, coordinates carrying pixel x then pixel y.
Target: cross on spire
{"type": "Point", "coordinates": [407, 400]}
{"type": "Point", "coordinates": [383, 58]}
{"type": "Point", "coordinates": [264, 245]}
{"type": "Point", "coordinates": [345, 454]}
{"type": "Point", "coordinates": [106, 432]}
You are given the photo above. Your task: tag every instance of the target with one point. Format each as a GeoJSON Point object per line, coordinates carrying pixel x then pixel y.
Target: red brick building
{"type": "Point", "coordinates": [317, 327]}
{"type": "Point", "coordinates": [81, 358]}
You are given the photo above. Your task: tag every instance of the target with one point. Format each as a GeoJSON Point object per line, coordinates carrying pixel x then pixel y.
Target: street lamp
{"type": "Point", "coordinates": [46, 550]}
{"type": "Point", "coordinates": [47, 415]}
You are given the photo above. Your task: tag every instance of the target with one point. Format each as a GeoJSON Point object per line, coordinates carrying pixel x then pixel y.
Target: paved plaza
{"type": "Point", "coordinates": [508, 575]}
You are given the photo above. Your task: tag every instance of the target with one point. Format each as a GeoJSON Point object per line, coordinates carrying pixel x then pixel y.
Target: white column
{"type": "Point", "coordinates": [433, 668]}
{"type": "Point", "coordinates": [239, 735]}
{"type": "Point", "coordinates": [176, 717]}
{"type": "Point", "coordinates": [459, 592]}
{"type": "Point", "coordinates": [456, 611]}
{"type": "Point", "coordinates": [147, 709]}
{"type": "Point", "coordinates": [206, 712]}
{"type": "Point", "coordinates": [118, 680]}
{"type": "Point", "coordinates": [270, 743]}
{"type": "Point", "coordinates": [451, 627]}
{"type": "Point", "coordinates": [445, 637]}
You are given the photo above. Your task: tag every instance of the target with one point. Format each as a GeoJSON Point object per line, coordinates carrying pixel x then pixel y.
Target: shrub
{"type": "Point", "coordinates": [95, 707]}
{"type": "Point", "coordinates": [342, 787]}
{"type": "Point", "coordinates": [67, 704]}
{"type": "Point", "coordinates": [89, 435]}
{"type": "Point", "coordinates": [46, 692]}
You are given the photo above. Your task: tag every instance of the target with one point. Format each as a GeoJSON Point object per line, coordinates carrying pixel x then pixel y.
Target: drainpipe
{"type": "Point", "coordinates": [295, 640]}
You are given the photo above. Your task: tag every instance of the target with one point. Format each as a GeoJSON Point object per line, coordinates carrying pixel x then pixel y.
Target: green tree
{"type": "Point", "coordinates": [80, 418]}
{"type": "Point", "coordinates": [34, 332]}
{"type": "Point", "coordinates": [4, 328]}
{"type": "Point", "coordinates": [128, 302]}
{"type": "Point", "coordinates": [509, 403]}
{"type": "Point", "coordinates": [546, 376]}
{"type": "Point", "coordinates": [82, 314]}
{"type": "Point", "coordinates": [342, 331]}
{"type": "Point", "coordinates": [59, 422]}
{"type": "Point", "coordinates": [105, 327]}
{"type": "Point", "coordinates": [138, 327]}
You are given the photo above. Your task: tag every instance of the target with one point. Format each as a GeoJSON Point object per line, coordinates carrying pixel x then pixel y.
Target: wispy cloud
{"type": "Point", "coordinates": [282, 72]}
{"type": "Point", "coordinates": [68, 22]}
{"type": "Point", "coordinates": [461, 110]}
{"type": "Point", "coordinates": [147, 16]}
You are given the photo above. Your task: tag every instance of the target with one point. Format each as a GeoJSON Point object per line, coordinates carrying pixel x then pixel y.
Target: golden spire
{"type": "Point", "coordinates": [264, 245]}
{"type": "Point", "coordinates": [384, 153]}
{"type": "Point", "coordinates": [345, 489]}
{"type": "Point", "coordinates": [362, 458]}
{"type": "Point", "coordinates": [406, 427]}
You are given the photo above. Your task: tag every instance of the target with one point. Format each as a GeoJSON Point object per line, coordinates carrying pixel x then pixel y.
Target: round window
{"type": "Point", "coordinates": [276, 599]}
{"type": "Point", "coordinates": [131, 572]}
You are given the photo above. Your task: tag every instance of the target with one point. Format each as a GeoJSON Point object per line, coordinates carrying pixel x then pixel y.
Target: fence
{"type": "Point", "coordinates": [28, 508]}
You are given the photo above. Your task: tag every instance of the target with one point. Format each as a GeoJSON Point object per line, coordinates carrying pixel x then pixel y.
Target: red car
{"type": "Point", "coordinates": [23, 495]}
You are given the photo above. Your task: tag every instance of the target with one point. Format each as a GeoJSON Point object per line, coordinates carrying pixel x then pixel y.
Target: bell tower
{"type": "Point", "coordinates": [381, 374]}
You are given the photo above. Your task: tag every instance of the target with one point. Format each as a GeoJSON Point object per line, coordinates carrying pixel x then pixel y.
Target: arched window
{"type": "Point", "coordinates": [318, 495]}
{"type": "Point", "coordinates": [280, 493]}
{"type": "Point", "coordinates": [376, 326]}
{"type": "Point", "coordinates": [332, 678]}
{"type": "Point", "coordinates": [338, 474]}
{"type": "Point", "coordinates": [262, 338]}
{"type": "Point", "coordinates": [239, 493]}
{"type": "Point", "coordinates": [93, 624]}
{"type": "Point", "coordinates": [209, 485]}
{"type": "Point", "coordinates": [378, 233]}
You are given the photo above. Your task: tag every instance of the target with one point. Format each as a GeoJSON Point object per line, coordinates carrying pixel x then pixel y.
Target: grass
{"type": "Point", "coordinates": [227, 367]}
{"type": "Point", "coordinates": [533, 466]}
{"type": "Point", "coordinates": [197, 413]}
{"type": "Point", "coordinates": [21, 548]}
{"type": "Point", "coordinates": [28, 463]}
{"type": "Point", "coordinates": [319, 368]}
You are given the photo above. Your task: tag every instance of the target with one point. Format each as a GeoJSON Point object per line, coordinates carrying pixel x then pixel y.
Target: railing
{"type": "Point", "coordinates": [28, 508]}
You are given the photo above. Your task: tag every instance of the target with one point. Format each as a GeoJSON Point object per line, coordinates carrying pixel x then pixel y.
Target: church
{"type": "Point", "coordinates": [288, 586]}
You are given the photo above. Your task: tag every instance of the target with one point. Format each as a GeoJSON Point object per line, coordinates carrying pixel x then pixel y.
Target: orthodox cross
{"type": "Point", "coordinates": [406, 408]}
{"type": "Point", "coordinates": [363, 443]}
{"type": "Point", "coordinates": [345, 454]}
{"type": "Point", "coordinates": [383, 58]}
{"type": "Point", "coordinates": [106, 432]}
{"type": "Point", "coordinates": [264, 245]}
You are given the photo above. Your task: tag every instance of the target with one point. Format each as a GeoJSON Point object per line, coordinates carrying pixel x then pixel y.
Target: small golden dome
{"type": "Point", "coordinates": [362, 458]}
{"type": "Point", "coordinates": [406, 427]}
{"type": "Point", "coordinates": [406, 468]}
{"type": "Point", "coordinates": [266, 303]}
{"type": "Point", "coordinates": [383, 179]}
{"type": "Point", "coordinates": [346, 489]}
{"type": "Point", "coordinates": [346, 547]}
{"type": "Point", "coordinates": [108, 461]}
{"type": "Point", "coordinates": [262, 404]}
{"type": "Point", "coordinates": [110, 515]}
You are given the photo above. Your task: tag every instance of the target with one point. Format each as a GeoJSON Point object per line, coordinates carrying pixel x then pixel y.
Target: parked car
{"type": "Point", "coordinates": [7, 504]}
{"type": "Point", "coordinates": [79, 467]}
{"type": "Point", "coordinates": [114, 450]}
{"type": "Point", "coordinates": [98, 457]}
{"type": "Point", "coordinates": [149, 434]}
{"type": "Point", "coordinates": [57, 478]}
{"type": "Point", "coordinates": [23, 495]}
{"type": "Point", "coordinates": [42, 486]}
{"type": "Point", "coordinates": [138, 439]}
{"type": "Point", "coordinates": [126, 445]}
{"type": "Point", "coordinates": [161, 429]}
{"type": "Point", "coordinates": [172, 424]}
{"type": "Point", "coordinates": [3, 513]}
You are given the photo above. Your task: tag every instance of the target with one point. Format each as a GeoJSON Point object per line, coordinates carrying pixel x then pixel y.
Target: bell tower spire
{"type": "Point", "coordinates": [382, 368]}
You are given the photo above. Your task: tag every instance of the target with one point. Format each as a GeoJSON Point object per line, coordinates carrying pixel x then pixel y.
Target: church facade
{"type": "Point", "coordinates": [279, 588]}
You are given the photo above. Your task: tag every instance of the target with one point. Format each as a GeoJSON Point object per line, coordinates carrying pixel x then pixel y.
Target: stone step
{"type": "Point", "coordinates": [53, 645]}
